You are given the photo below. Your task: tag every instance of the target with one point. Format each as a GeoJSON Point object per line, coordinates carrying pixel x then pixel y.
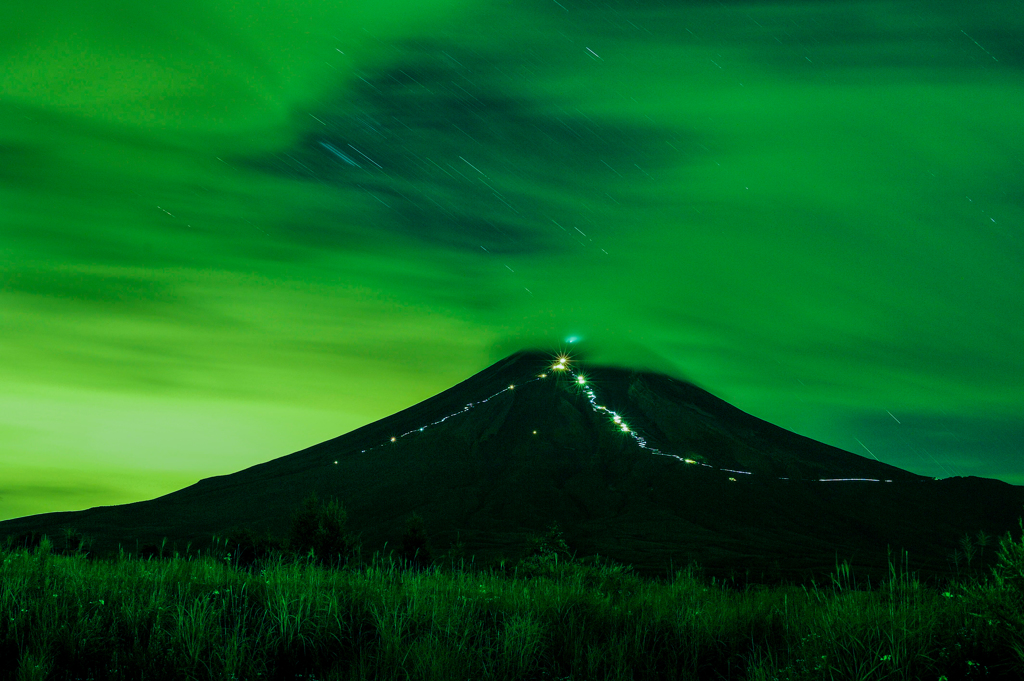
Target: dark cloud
{"type": "Point", "coordinates": [448, 157]}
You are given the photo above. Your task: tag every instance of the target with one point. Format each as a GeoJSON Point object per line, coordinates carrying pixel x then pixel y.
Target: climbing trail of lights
{"type": "Point", "coordinates": [465, 409]}
{"type": "Point", "coordinates": [561, 365]}
{"type": "Point", "coordinates": [616, 419]}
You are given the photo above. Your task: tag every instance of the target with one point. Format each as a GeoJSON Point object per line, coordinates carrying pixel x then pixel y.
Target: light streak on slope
{"type": "Point", "coordinates": [465, 409]}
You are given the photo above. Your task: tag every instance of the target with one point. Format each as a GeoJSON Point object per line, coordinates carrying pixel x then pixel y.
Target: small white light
{"type": "Point", "coordinates": [393, 439]}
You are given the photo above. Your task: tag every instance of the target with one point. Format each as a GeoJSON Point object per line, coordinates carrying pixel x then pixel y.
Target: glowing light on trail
{"type": "Point", "coordinates": [468, 407]}
{"type": "Point", "coordinates": [850, 480]}
{"type": "Point", "coordinates": [640, 441]}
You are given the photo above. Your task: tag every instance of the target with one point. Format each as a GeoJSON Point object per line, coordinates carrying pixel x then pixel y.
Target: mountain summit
{"type": "Point", "coordinates": [635, 466]}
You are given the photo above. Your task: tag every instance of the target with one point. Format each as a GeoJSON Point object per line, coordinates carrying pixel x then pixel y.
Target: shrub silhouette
{"type": "Point", "coordinates": [151, 551]}
{"type": "Point", "coordinates": [550, 544]}
{"type": "Point", "coordinates": [414, 548]}
{"type": "Point", "coordinates": [75, 543]}
{"type": "Point", "coordinates": [318, 532]}
{"type": "Point", "coordinates": [455, 557]}
{"type": "Point", "coordinates": [545, 554]}
{"type": "Point", "coordinates": [245, 548]}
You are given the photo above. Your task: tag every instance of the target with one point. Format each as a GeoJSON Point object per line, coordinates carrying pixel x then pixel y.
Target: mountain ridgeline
{"type": "Point", "coordinates": [637, 467]}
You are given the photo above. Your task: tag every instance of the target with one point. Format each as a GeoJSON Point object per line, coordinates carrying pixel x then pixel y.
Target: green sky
{"type": "Point", "coordinates": [229, 231]}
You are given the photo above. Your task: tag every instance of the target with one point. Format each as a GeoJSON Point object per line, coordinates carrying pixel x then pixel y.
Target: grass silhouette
{"type": "Point", "coordinates": [551, 616]}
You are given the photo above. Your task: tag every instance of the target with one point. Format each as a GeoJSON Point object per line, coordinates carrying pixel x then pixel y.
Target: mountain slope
{"type": "Point", "coordinates": [635, 466]}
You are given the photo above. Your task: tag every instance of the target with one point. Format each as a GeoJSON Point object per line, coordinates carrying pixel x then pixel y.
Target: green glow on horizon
{"type": "Point", "coordinates": [812, 211]}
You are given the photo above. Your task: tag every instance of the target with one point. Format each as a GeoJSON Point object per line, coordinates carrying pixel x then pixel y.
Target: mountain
{"type": "Point", "coordinates": [635, 466]}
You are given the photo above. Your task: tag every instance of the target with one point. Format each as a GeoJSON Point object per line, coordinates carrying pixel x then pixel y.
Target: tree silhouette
{"type": "Point", "coordinates": [415, 549]}
{"type": "Point", "coordinates": [318, 531]}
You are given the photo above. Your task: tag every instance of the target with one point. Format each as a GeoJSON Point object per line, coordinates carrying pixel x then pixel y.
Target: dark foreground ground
{"type": "Point", "coordinates": [548, 617]}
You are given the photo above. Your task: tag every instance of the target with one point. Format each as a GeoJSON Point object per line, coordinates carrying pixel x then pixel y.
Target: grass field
{"type": "Point", "coordinates": [205, 617]}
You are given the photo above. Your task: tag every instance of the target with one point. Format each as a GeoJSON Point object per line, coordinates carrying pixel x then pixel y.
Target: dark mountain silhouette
{"type": "Point", "coordinates": [638, 467]}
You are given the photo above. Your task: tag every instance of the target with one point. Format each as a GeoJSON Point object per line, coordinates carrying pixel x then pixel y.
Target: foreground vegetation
{"type": "Point", "coordinates": [289, 616]}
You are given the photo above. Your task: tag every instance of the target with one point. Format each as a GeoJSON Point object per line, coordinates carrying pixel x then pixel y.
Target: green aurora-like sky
{"type": "Point", "coordinates": [232, 230]}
